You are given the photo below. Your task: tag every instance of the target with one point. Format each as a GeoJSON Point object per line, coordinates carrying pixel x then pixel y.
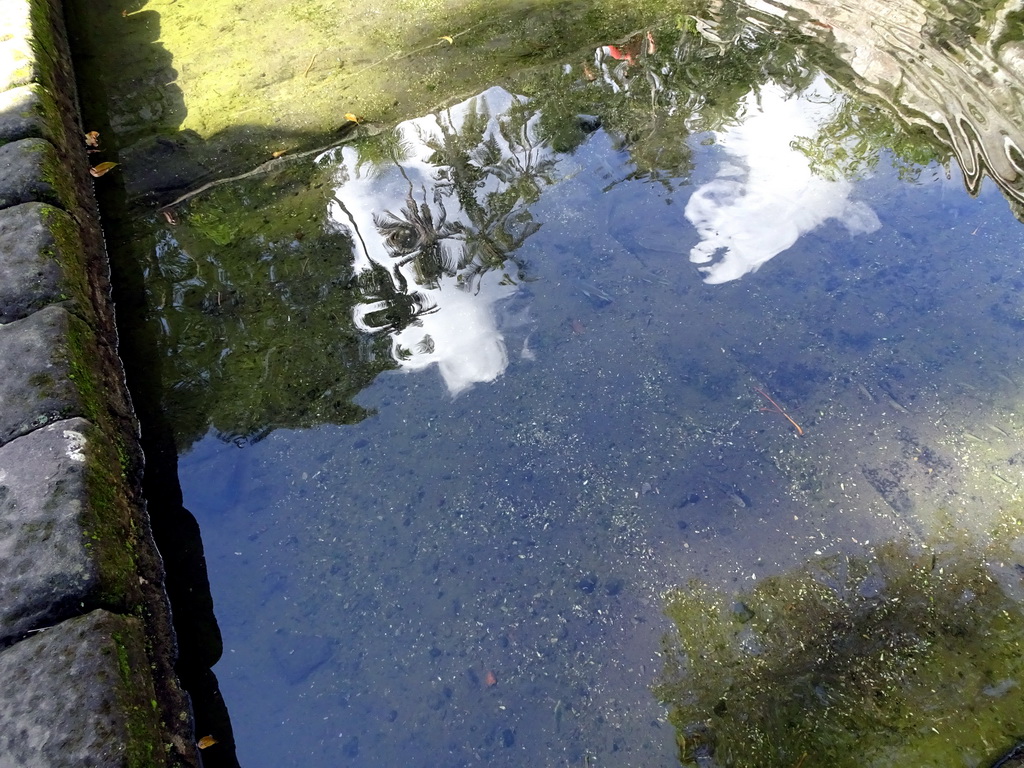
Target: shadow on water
{"type": "Point", "coordinates": [390, 597]}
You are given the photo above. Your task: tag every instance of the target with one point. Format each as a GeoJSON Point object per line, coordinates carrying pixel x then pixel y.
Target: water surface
{"type": "Point", "coordinates": [605, 345]}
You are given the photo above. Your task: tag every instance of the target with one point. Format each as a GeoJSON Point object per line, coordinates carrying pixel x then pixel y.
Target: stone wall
{"type": "Point", "coordinates": [86, 646]}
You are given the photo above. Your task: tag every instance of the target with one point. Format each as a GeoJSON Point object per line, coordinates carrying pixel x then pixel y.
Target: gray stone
{"type": "Point", "coordinates": [28, 172]}
{"type": "Point", "coordinates": [38, 385]}
{"type": "Point", "coordinates": [104, 719]}
{"type": "Point", "coordinates": [23, 114]}
{"type": "Point", "coordinates": [40, 260]}
{"type": "Point", "coordinates": [51, 543]}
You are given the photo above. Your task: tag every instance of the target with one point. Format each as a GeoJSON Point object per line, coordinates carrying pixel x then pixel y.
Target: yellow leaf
{"type": "Point", "coordinates": [352, 118]}
{"type": "Point", "coordinates": [102, 168]}
{"type": "Point", "coordinates": [448, 39]}
{"type": "Point", "coordinates": [206, 741]}
{"type": "Point", "coordinates": [92, 139]}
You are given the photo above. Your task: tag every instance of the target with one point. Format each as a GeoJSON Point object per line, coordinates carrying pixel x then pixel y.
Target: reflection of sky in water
{"type": "Point", "coordinates": [478, 580]}
{"type": "Point", "coordinates": [458, 332]}
{"type": "Point", "coordinates": [766, 196]}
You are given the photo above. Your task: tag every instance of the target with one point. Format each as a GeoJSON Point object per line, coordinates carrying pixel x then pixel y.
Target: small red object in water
{"type": "Point", "coordinates": [615, 53]}
{"type": "Point", "coordinates": [490, 679]}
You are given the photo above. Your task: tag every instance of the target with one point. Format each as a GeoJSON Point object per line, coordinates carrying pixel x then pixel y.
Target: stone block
{"type": "Point", "coordinates": [38, 385]}
{"type": "Point", "coordinates": [23, 114]}
{"type": "Point", "coordinates": [31, 171]}
{"type": "Point", "coordinates": [41, 262]}
{"type": "Point", "coordinates": [80, 694]}
{"type": "Point", "coordinates": [65, 535]}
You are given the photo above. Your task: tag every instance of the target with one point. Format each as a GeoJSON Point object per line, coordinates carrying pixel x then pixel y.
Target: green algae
{"type": "Point", "coordinates": [67, 252]}
{"type": "Point", "coordinates": [898, 658]}
{"type": "Point", "coordinates": [55, 173]}
{"type": "Point", "coordinates": [108, 523]}
{"type": "Point", "coordinates": [144, 747]}
{"type": "Point", "coordinates": [230, 85]}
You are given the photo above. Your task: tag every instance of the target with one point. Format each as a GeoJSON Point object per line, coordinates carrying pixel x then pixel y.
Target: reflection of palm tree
{"type": "Point", "coordinates": [415, 236]}
{"type": "Point", "coordinates": [470, 158]}
{"type": "Point", "coordinates": [386, 307]}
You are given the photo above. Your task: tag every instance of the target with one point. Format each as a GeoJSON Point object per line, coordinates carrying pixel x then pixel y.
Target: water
{"type": "Point", "coordinates": [553, 430]}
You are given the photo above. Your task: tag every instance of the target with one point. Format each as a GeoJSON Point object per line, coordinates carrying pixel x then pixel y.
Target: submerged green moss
{"type": "Point", "coordinates": [896, 659]}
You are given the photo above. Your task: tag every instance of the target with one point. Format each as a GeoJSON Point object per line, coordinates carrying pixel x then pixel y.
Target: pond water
{"type": "Point", "coordinates": [555, 427]}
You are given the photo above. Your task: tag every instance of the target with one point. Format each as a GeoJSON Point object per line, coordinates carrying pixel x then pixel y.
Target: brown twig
{"type": "Point", "coordinates": [310, 65]}
{"type": "Point", "coordinates": [778, 409]}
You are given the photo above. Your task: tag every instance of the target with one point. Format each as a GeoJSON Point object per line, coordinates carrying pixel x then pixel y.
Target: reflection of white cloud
{"type": "Point", "coordinates": [464, 340]}
{"type": "Point", "coordinates": [765, 199]}
{"type": "Point", "coordinates": [459, 333]}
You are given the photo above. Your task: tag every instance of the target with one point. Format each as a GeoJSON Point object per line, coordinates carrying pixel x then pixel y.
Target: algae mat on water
{"type": "Point", "coordinates": [901, 659]}
{"type": "Point", "coordinates": [228, 84]}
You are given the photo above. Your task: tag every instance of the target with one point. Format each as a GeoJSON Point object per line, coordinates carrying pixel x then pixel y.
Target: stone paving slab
{"type": "Point", "coordinates": [56, 557]}
{"type": "Point", "coordinates": [29, 171]}
{"type": "Point", "coordinates": [106, 720]}
{"type": "Point", "coordinates": [40, 262]}
{"type": "Point", "coordinates": [37, 387]}
{"type": "Point", "coordinates": [23, 114]}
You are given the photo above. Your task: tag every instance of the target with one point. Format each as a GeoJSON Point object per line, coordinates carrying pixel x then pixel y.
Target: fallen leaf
{"type": "Point", "coordinates": [206, 741]}
{"type": "Point", "coordinates": [448, 39]}
{"type": "Point", "coordinates": [102, 168]}
{"type": "Point", "coordinates": [353, 118]}
{"type": "Point", "coordinates": [279, 153]}
{"type": "Point", "coordinates": [490, 679]}
{"type": "Point", "coordinates": [92, 139]}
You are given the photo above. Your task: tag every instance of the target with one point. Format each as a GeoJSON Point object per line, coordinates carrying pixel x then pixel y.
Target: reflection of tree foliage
{"type": "Point", "coordinates": [381, 150]}
{"type": "Point", "coordinates": [858, 135]}
{"type": "Point", "coordinates": [414, 236]}
{"type": "Point", "coordinates": [844, 662]}
{"type": "Point", "coordinates": [386, 307]}
{"type": "Point", "coordinates": [493, 185]}
{"type": "Point", "coordinates": [693, 79]}
{"type": "Point", "coordinates": [683, 82]}
{"type": "Point", "coordinates": [258, 327]}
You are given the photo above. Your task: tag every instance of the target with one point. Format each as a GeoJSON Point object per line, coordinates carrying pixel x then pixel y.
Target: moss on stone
{"type": "Point", "coordinates": [56, 173]}
{"type": "Point", "coordinates": [144, 748]}
{"type": "Point", "coordinates": [109, 525]}
{"type": "Point", "coordinates": [68, 252]}
{"type": "Point", "coordinates": [110, 517]}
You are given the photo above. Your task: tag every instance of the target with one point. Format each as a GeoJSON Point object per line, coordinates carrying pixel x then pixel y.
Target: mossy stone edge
{"type": "Point", "coordinates": [43, 133]}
